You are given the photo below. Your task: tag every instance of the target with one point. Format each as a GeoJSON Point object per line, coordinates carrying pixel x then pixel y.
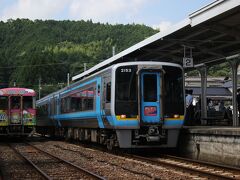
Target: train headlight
{"type": "Point", "coordinates": [123, 116]}
{"type": "Point", "coordinates": [176, 116]}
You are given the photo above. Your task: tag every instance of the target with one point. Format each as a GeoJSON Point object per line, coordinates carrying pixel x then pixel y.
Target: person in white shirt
{"type": "Point", "coordinates": [189, 98]}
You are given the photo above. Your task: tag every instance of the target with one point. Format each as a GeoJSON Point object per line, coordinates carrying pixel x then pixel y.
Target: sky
{"type": "Point", "coordinates": [154, 13]}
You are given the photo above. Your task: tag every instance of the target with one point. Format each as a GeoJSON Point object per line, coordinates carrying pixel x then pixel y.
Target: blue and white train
{"type": "Point", "coordinates": [128, 105]}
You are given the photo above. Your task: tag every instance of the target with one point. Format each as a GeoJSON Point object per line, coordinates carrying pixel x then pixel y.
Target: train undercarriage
{"type": "Point", "coordinates": [146, 137]}
{"type": "Point", "coordinates": [19, 130]}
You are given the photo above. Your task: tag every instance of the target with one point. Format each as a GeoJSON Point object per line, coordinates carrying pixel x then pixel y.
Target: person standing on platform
{"type": "Point", "coordinates": [197, 112]}
{"type": "Point", "coordinates": [189, 119]}
{"type": "Point", "coordinates": [238, 102]}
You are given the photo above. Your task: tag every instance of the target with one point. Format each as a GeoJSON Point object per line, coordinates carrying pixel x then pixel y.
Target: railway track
{"type": "Point", "coordinates": [14, 166]}
{"type": "Point", "coordinates": [202, 169]}
{"type": "Point", "coordinates": [109, 165]}
{"type": "Point", "coordinates": [51, 166]}
{"type": "Point", "coordinates": [197, 169]}
{"type": "Point", "coordinates": [193, 167]}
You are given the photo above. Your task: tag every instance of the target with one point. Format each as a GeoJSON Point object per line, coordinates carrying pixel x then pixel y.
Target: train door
{"type": "Point", "coordinates": [150, 97]}
{"type": "Point", "coordinates": [15, 110]}
{"type": "Point", "coordinates": [106, 100]}
{"type": "Point", "coordinates": [28, 110]}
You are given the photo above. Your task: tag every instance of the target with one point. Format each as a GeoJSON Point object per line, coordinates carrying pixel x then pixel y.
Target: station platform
{"type": "Point", "coordinates": [211, 143]}
{"type": "Point", "coordinates": [217, 130]}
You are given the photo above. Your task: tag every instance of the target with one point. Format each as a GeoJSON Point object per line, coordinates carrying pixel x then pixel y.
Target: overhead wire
{"type": "Point", "coordinates": [37, 65]}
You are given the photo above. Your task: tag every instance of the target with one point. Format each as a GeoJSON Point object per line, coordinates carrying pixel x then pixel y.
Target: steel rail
{"type": "Point", "coordinates": [180, 167]}
{"type": "Point", "coordinates": [189, 169]}
{"type": "Point", "coordinates": [31, 163]}
{"type": "Point", "coordinates": [231, 168]}
{"type": "Point", "coordinates": [69, 163]}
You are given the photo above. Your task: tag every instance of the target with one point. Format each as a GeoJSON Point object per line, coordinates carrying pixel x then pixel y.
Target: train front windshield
{"type": "Point", "coordinates": [126, 91]}
{"type": "Point", "coordinates": [15, 102]}
{"type": "Point", "coordinates": [3, 102]}
{"type": "Point", "coordinates": [29, 102]}
{"type": "Point", "coordinates": [173, 91]}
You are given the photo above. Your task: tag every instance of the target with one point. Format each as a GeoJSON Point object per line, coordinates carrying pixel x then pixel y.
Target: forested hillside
{"type": "Point", "coordinates": [48, 50]}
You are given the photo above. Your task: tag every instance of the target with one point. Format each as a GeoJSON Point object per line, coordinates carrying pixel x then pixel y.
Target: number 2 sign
{"type": "Point", "coordinates": [187, 62]}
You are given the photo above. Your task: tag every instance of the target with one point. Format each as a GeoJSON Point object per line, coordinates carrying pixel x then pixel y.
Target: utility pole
{"type": "Point", "coordinates": [39, 88]}
{"type": "Point", "coordinates": [68, 79]}
{"type": "Point", "coordinates": [85, 66]}
{"type": "Point", "coordinates": [113, 51]}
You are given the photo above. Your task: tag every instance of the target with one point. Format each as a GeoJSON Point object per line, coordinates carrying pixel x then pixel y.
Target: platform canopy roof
{"type": "Point", "coordinates": [218, 92]}
{"type": "Point", "coordinates": [213, 33]}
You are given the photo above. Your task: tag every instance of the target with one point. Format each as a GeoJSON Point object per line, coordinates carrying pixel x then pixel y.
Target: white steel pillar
{"type": "Point", "coordinates": [234, 62]}
{"type": "Point", "coordinates": [203, 72]}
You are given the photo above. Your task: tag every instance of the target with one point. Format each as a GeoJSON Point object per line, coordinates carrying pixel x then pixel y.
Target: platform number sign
{"type": "Point", "coordinates": [187, 62]}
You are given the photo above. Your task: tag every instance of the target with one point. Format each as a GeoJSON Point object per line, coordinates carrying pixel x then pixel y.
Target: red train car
{"type": "Point", "coordinates": [17, 111]}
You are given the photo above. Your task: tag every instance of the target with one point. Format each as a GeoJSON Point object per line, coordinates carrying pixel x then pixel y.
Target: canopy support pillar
{"type": "Point", "coordinates": [203, 72]}
{"type": "Point", "coordinates": [234, 62]}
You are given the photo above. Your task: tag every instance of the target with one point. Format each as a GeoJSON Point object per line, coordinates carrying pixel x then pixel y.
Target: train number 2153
{"type": "Point", "coordinates": [126, 70]}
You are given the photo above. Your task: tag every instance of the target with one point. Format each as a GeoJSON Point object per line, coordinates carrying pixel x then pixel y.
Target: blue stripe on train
{"type": "Point", "coordinates": [76, 115]}
{"type": "Point", "coordinates": [97, 79]}
{"type": "Point", "coordinates": [89, 114]}
{"type": "Point", "coordinates": [80, 115]}
{"type": "Point", "coordinates": [135, 123]}
{"type": "Point", "coordinates": [111, 119]}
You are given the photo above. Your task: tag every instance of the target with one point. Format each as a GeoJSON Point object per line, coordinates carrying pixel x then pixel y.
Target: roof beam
{"type": "Point", "coordinates": [211, 51]}
{"type": "Point", "coordinates": [176, 41]}
{"type": "Point", "coordinates": [205, 50]}
{"type": "Point", "coordinates": [221, 28]}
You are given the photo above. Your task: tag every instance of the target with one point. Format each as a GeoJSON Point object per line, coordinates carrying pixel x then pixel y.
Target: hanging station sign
{"type": "Point", "coordinates": [187, 62]}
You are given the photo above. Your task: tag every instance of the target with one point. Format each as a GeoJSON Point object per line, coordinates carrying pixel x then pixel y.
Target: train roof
{"type": "Point", "coordinates": [15, 91]}
{"type": "Point", "coordinates": [46, 98]}
{"type": "Point", "coordinates": [212, 32]}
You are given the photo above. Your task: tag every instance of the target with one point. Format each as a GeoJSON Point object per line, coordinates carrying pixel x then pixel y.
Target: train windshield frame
{"type": "Point", "coordinates": [126, 98]}
{"type": "Point", "coordinates": [18, 98]}
{"type": "Point", "coordinates": [173, 91]}
{"type": "Point", "coordinates": [126, 91]}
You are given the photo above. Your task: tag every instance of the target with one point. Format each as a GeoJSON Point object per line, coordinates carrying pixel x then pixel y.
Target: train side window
{"type": "Point", "coordinates": [83, 99]}
{"type": "Point", "coordinates": [65, 105]}
{"type": "Point", "coordinates": [42, 111]}
{"type": "Point", "coordinates": [88, 99]}
{"type": "Point", "coordinates": [76, 102]}
{"type": "Point", "coordinates": [108, 92]}
{"type": "Point", "coordinates": [34, 102]}
{"type": "Point", "coordinates": [52, 104]}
